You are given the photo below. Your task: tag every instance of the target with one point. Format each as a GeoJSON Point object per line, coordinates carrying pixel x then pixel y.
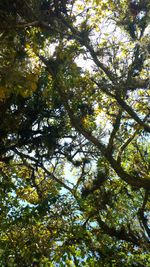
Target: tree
{"type": "Point", "coordinates": [74, 154]}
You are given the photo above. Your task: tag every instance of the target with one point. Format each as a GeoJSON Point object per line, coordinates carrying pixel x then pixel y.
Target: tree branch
{"type": "Point", "coordinates": [38, 164]}
{"type": "Point", "coordinates": [114, 131]}
{"type": "Point", "coordinates": [124, 145]}
{"type": "Point", "coordinates": [143, 219]}
{"type": "Point", "coordinates": [84, 41]}
{"type": "Point", "coordinates": [60, 87]}
{"type": "Point", "coordinates": [132, 113]}
{"type": "Point", "coordinates": [121, 234]}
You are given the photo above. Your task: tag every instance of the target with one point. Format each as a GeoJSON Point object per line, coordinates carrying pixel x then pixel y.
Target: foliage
{"type": "Point", "coordinates": [74, 128]}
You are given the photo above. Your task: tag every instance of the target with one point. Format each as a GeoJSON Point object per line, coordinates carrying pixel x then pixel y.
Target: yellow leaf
{"type": "Point", "coordinates": [33, 86]}
{"type": "Point", "coordinates": [2, 93]}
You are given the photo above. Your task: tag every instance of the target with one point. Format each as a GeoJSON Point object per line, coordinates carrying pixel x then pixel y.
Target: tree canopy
{"type": "Point", "coordinates": [74, 133]}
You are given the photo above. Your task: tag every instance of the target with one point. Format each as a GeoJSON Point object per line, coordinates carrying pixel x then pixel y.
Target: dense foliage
{"type": "Point", "coordinates": [74, 129]}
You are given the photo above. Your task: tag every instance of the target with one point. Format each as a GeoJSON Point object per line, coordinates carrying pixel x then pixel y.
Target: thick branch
{"type": "Point", "coordinates": [141, 214]}
{"type": "Point", "coordinates": [114, 131]}
{"type": "Point", "coordinates": [28, 24]}
{"type": "Point", "coordinates": [60, 87]}
{"type": "Point", "coordinates": [99, 64]}
{"type": "Point", "coordinates": [132, 113]}
{"type": "Point", "coordinates": [124, 145]}
{"type": "Point", "coordinates": [130, 179]}
{"type": "Point", "coordinates": [103, 88]}
{"type": "Point", "coordinates": [85, 41]}
{"type": "Point", "coordinates": [121, 234]}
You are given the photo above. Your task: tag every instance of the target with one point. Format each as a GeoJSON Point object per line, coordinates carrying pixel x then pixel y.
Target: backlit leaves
{"type": "Point", "coordinates": [74, 125]}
